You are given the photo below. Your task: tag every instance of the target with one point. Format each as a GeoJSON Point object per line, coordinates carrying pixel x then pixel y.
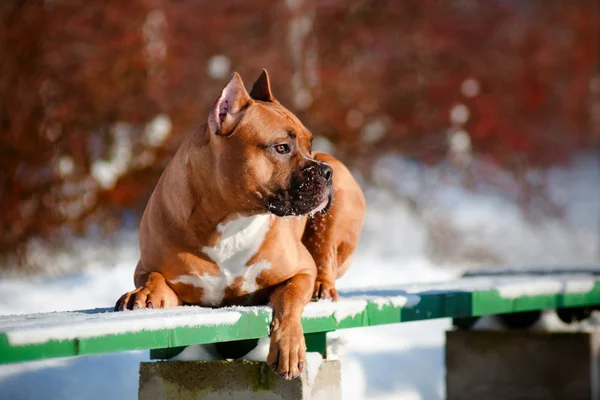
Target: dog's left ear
{"type": "Point", "coordinates": [229, 107]}
{"type": "Point", "coordinates": [262, 88]}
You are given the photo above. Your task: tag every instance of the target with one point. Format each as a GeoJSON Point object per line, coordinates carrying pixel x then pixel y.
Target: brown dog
{"type": "Point", "coordinates": [244, 215]}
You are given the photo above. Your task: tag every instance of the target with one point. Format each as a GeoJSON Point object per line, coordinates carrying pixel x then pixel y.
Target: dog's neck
{"type": "Point", "coordinates": [200, 211]}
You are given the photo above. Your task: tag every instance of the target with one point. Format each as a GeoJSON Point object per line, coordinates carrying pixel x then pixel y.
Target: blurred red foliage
{"type": "Point", "coordinates": [83, 83]}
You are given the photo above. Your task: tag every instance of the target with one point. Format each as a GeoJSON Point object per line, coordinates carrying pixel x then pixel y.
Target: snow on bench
{"type": "Point", "coordinates": [72, 333]}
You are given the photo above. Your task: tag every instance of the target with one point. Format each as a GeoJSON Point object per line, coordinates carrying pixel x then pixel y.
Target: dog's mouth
{"type": "Point", "coordinates": [286, 204]}
{"type": "Point", "coordinates": [325, 205]}
{"type": "Point", "coordinates": [310, 192]}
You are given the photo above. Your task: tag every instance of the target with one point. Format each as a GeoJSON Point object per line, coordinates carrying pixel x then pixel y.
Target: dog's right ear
{"type": "Point", "coordinates": [261, 90]}
{"type": "Point", "coordinates": [229, 107]}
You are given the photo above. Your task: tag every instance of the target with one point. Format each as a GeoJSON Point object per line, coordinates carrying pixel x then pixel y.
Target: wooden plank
{"type": "Point", "coordinates": [41, 336]}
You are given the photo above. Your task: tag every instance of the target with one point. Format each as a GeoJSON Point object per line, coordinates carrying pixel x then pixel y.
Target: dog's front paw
{"type": "Point", "coordinates": [287, 353]}
{"type": "Point", "coordinates": [147, 296]}
{"type": "Point", "coordinates": [325, 289]}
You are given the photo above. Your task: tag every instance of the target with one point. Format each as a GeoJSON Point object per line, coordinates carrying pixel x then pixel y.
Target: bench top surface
{"type": "Point", "coordinates": [70, 333]}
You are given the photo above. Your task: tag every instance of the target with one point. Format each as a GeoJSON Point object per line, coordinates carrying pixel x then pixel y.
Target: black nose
{"type": "Point", "coordinates": [325, 171]}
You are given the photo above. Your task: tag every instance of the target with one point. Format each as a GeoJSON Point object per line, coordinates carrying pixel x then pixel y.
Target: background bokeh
{"type": "Point", "coordinates": [473, 126]}
{"type": "Point", "coordinates": [96, 97]}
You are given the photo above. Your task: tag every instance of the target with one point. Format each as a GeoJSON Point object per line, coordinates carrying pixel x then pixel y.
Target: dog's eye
{"type": "Point", "coordinates": [282, 148]}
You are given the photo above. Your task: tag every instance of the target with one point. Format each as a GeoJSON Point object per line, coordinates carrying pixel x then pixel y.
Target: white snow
{"type": "Point", "coordinates": [545, 285]}
{"type": "Point", "coordinates": [313, 364]}
{"type": "Point", "coordinates": [548, 321]}
{"type": "Point", "coordinates": [439, 221]}
{"type": "Point", "coordinates": [514, 290]}
{"type": "Point", "coordinates": [198, 352]}
{"type": "Point", "coordinates": [400, 301]}
{"type": "Point", "coordinates": [404, 301]}
{"type": "Point", "coordinates": [581, 286]}
{"type": "Point", "coordinates": [260, 352]}
{"type": "Point", "coordinates": [336, 346]}
{"type": "Point", "coordinates": [40, 328]}
{"type": "Point", "coordinates": [344, 308]}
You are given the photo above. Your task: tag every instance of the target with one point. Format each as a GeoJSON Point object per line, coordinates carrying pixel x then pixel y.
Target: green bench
{"type": "Point", "coordinates": [166, 332]}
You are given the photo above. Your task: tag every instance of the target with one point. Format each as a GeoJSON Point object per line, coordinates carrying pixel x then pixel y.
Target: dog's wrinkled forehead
{"type": "Point", "coordinates": [271, 119]}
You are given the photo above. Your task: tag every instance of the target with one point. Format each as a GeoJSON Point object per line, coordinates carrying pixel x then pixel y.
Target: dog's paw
{"type": "Point", "coordinates": [287, 354]}
{"type": "Point", "coordinates": [325, 290]}
{"type": "Point", "coordinates": [146, 297]}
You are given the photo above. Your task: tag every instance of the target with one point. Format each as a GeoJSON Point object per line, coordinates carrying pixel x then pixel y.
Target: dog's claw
{"type": "Point", "coordinates": [119, 304]}
{"type": "Point", "coordinates": [325, 291]}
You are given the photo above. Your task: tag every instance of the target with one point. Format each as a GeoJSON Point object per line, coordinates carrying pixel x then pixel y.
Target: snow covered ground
{"type": "Point", "coordinates": [402, 361]}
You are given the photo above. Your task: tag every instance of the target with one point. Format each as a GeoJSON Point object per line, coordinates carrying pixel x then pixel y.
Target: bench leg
{"type": "Point", "coordinates": [522, 365]}
{"type": "Point", "coordinates": [316, 342]}
{"type": "Point", "coordinates": [239, 380]}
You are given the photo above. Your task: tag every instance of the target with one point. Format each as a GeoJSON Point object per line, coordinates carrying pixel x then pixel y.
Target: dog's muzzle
{"type": "Point", "coordinates": [310, 191]}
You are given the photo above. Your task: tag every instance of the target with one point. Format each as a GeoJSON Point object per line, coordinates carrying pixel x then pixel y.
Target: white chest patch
{"type": "Point", "coordinates": [240, 241]}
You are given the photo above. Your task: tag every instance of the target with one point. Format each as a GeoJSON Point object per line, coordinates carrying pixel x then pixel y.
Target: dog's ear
{"type": "Point", "coordinates": [262, 88]}
{"type": "Point", "coordinates": [229, 107]}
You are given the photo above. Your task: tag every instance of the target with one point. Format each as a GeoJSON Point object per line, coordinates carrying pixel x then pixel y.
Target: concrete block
{"type": "Point", "coordinates": [522, 365]}
{"type": "Point", "coordinates": [239, 380]}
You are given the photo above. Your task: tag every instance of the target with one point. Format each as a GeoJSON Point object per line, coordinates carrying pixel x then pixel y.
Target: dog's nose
{"type": "Point", "coordinates": [326, 171]}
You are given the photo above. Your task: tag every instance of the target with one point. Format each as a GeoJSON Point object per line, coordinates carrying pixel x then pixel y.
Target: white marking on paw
{"type": "Point", "coordinates": [240, 241]}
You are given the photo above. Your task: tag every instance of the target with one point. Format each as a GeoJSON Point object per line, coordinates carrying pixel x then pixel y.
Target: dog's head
{"type": "Point", "coordinates": [263, 154]}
